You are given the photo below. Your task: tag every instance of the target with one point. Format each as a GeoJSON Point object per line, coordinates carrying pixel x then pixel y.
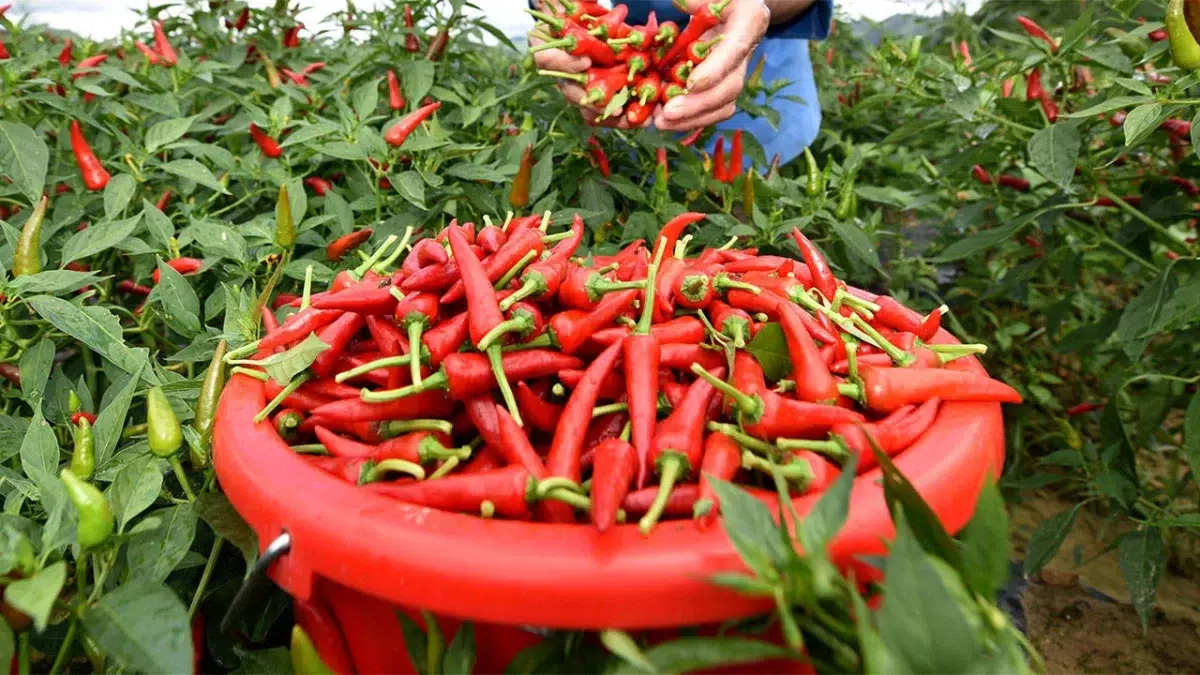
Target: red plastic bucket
{"type": "Point", "coordinates": [364, 555]}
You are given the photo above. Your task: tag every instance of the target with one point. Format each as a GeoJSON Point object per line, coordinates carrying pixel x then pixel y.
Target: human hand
{"type": "Point", "coordinates": [714, 85]}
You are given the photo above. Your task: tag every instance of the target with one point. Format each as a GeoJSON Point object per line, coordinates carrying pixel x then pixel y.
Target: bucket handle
{"type": "Point", "coordinates": [254, 578]}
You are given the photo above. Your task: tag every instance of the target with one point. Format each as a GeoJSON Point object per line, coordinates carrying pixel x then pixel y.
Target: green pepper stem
{"type": "Point", "coordinates": [833, 449]}
{"type": "Point", "coordinates": [545, 224]}
{"type": "Point", "coordinates": [279, 398]}
{"type": "Point", "coordinates": [749, 405]}
{"type": "Point", "coordinates": [609, 409]}
{"type": "Point", "coordinates": [515, 270]}
{"type": "Point", "coordinates": [529, 287]}
{"type": "Point", "coordinates": [367, 264]}
{"type": "Point", "coordinates": [385, 362]}
{"type": "Point", "coordinates": [521, 323]}
{"type": "Point", "coordinates": [724, 283]}
{"type": "Point", "coordinates": [245, 350]}
{"type": "Point", "coordinates": [306, 298]}
{"type": "Point", "coordinates": [737, 333]}
{"type": "Point", "coordinates": [647, 317]}
{"type": "Point", "coordinates": [394, 465]}
{"type": "Point", "coordinates": [310, 449]}
{"type": "Point", "coordinates": [495, 357]}
{"type": "Point", "coordinates": [744, 440]}
{"type": "Point", "coordinates": [574, 77]}
{"type": "Point", "coordinates": [948, 353]}
{"type": "Point", "coordinates": [670, 469]}
{"type": "Point", "coordinates": [557, 483]}
{"type": "Point", "coordinates": [415, 328]}
{"type": "Point", "coordinates": [851, 355]}
{"type": "Point", "coordinates": [570, 498]}
{"type": "Point", "coordinates": [437, 380]}
{"type": "Point", "coordinates": [901, 357]}
{"type": "Point", "coordinates": [556, 24]}
{"type": "Point", "coordinates": [446, 467]}
{"type": "Point", "coordinates": [181, 476]}
{"type": "Point", "coordinates": [386, 264]}
{"type": "Point", "coordinates": [397, 427]}
{"type": "Point", "coordinates": [850, 390]}
{"type": "Point", "coordinates": [702, 508]}
{"type": "Point", "coordinates": [555, 238]}
{"type": "Point", "coordinates": [256, 374]}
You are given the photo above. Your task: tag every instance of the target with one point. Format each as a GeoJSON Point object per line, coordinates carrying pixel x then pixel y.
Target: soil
{"type": "Point", "coordinates": [1077, 612]}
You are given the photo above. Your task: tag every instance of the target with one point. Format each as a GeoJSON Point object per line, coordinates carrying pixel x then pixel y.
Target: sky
{"type": "Point", "coordinates": [100, 19]}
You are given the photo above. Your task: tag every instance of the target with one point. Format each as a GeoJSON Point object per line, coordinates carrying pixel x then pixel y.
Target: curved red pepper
{"type": "Point", "coordinates": [823, 277]}
{"type": "Point", "coordinates": [613, 468]}
{"type": "Point", "coordinates": [266, 144]}
{"type": "Point", "coordinates": [95, 177]}
{"type": "Point", "coordinates": [1037, 32]}
{"type": "Point", "coordinates": [395, 96]}
{"type": "Point", "coordinates": [722, 460]}
{"type": "Point", "coordinates": [399, 132]}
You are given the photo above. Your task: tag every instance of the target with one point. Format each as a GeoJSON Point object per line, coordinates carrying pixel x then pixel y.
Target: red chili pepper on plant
{"type": "Point", "coordinates": [399, 132]}
{"type": "Point", "coordinates": [95, 177]}
{"type": "Point", "coordinates": [266, 144]}
{"type": "Point", "coordinates": [598, 155]}
{"type": "Point", "coordinates": [395, 96]}
{"type": "Point", "coordinates": [162, 45]}
{"type": "Point", "coordinates": [412, 43]}
{"type": "Point", "coordinates": [1037, 32]}
{"type": "Point", "coordinates": [184, 266]}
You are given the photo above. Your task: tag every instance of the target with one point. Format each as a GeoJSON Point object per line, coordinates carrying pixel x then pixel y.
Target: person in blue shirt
{"type": "Point", "coordinates": [775, 30]}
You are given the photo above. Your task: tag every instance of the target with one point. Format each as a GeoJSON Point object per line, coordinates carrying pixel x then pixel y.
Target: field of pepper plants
{"type": "Point", "coordinates": [382, 262]}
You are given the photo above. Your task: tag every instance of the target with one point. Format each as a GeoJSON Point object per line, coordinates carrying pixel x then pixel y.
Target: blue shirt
{"type": "Point", "coordinates": [785, 48]}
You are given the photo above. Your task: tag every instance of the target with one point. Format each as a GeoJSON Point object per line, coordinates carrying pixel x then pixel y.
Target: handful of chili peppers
{"type": "Point", "coordinates": [496, 373]}
{"type": "Point", "coordinates": [634, 68]}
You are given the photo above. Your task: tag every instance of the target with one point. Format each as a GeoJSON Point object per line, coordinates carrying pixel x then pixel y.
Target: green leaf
{"type": "Point", "coordinates": [143, 627]}
{"type": "Point", "coordinates": [468, 171]}
{"type": "Point", "coordinates": [134, 489]}
{"type": "Point", "coordinates": [924, 523]}
{"type": "Point", "coordinates": [1142, 312]}
{"type": "Point", "coordinates": [1047, 539]}
{"type": "Point", "coordinates": [539, 178]}
{"type": "Point", "coordinates": [166, 132]}
{"type": "Point", "coordinates": [194, 171]}
{"type": "Point", "coordinates": [98, 238]}
{"type": "Point", "coordinates": [625, 647]}
{"type": "Point", "coordinates": [1110, 56]}
{"type": "Point", "coordinates": [769, 347]}
{"type": "Point", "coordinates": [309, 132]}
{"type": "Point", "coordinates": [36, 595]}
{"type": "Point", "coordinates": [1141, 122]}
{"type": "Point", "coordinates": [1053, 151]}
{"type": "Point", "coordinates": [178, 301]}
{"type": "Point", "coordinates": [616, 104]}
{"type": "Point", "coordinates": [920, 621]}
{"type": "Point", "coordinates": [117, 194]}
{"type": "Point", "coordinates": [35, 367]}
{"type": "Point", "coordinates": [750, 527]}
{"type": "Point", "coordinates": [857, 243]}
{"type": "Point", "coordinates": [52, 281]}
{"type": "Point", "coordinates": [417, 78]}
{"type": "Point", "coordinates": [829, 513]}
{"type": "Point", "coordinates": [111, 420]}
{"type": "Point", "coordinates": [415, 642]}
{"type": "Point", "coordinates": [690, 654]}
{"type": "Point", "coordinates": [985, 543]}
{"type": "Point", "coordinates": [286, 365]}
{"type": "Point", "coordinates": [24, 158]}
{"type": "Point", "coordinates": [365, 98]}
{"type": "Point", "coordinates": [1195, 134]}
{"type": "Point", "coordinates": [96, 327]}
{"type": "Point", "coordinates": [161, 229]}
{"type": "Point", "coordinates": [8, 643]}
{"type": "Point", "coordinates": [343, 150]}
{"type": "Point", "coordinates": [460, 655]}
{"type": "Point", "coordinates": [214, 508]}
{"type": "Point", "coordinates": [1142, 562]}
{"type": "Point", "coordinates": [39, 452]}
{"type": "Point", "coordinates": [1191, 436]}
{"type": "Point", "coordinates": [1114, 103]}
{"type": "Point", "coordinates": [410, 186]}
{"type": "Point", "coordinates": [159, 542]}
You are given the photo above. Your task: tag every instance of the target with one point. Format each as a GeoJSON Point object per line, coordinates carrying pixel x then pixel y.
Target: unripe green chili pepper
{"type": "Point", "coordinates": [285, 229]}
{"type": "Point", "coordinates": [28, 256]}
{"type": "Point", "coordinates": [815, 183]}
{"type": "Point", "coordinates": [1185, 51]}
{"type": "Point", "coordinates": [83, 460]}
{"type": "Point", "coordinates": [845, 207]}
{"type": "Point", "coordinates": [162, 426]}
{"type": "Point", "coordinates": [96, 521]}
{"type": "Point", "coordinates": [305, 658]}
{"type": "Point", "coordinates": [914, 48]}
{"type": "Point", "coordinates": [206, 404]}
{"type": "Point", "coordinates": [74, 405]}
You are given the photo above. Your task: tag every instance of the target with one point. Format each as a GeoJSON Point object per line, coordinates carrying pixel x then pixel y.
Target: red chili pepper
{"type": "Point", "coordinates": [129, 286]}
{"type": "Point", "coordinates": [95, 177]}
{"type": "Point", "coordinates": [572, 328]}
{"type": "Point", "coordinates": [540, 413]}
{"type": "Point", "coordinates": [1184, 184]}
{"type": "Point", "coordinates": [161, 205]}
{"type": "Point", "coordinates": [575, 40]}
{"type": "Point", "coordinates": [337, 335]}
{"type": "Point", "coordinates": [321, 626]}
{"type": "Point", "coordinates": [689, 139]}
{"type": "Point", "coordinates": [424, 253]}
{"type": "Point", "coordinates": [674, 227]}
{"type": "Point", "coordinates": [298, 326]}
{"type": "Point", "coordinates": [679, 444]}
{"type": "Point", "coordinates": [705, 19]}
{"type": "Point", "coordinates": [11, 372]}
{"type": "Point", "coordinates": [162, 45]}
{"type": "Point", "coordinates": [981, 174]}
{"type": "Point", "coordinates": [731, 322]}
{"type": "Point", "coordinates": [735, 158]}
{"type": "Point", "coordinates": [567, 446]}
{"type": "Point", "coordinates": [506, 490]}
{"type": "Point", "coordinates": [339, 247]}
{"type": "Point", "coordinates": [722, 460]}
{"type": "Point", "coordinates": [243, 18]}
{"type": "Point", "coordinates": [291, 36]}
{"type": "Point", "coordinates": [1050, 108]}
{"type": "Point", "coordinates": [266, 144]}
{"type": "Point", "coordinates": [718, 164]}
{"type": "Point", "coordinates": [511, 441]}
{"type": "Point", "coordinates": [886, 389]}
{"type": "Point", "coordinates": [1006, 87]}
{"type": "Point", "coordinates": [301, 399]}
{"type": "Point", "coordinates": [823, 277]}
{"type": "Point", "coordinates": [543, 278]}
{"type": "Point", "coordinates": [467, 374]}
{"type": "Point", "coordinates": [83, 415]}
{"type": "Point", "coordinates": [614, 465]}
{"type": "Point", "coordinates": [184, 266]}
{"type": "Point", "coordinates": [66, 55]}
{"type": "Point", "coordinates": [312, 67]}
{"type": "Point", "coordinates": [1033, 85]}
{"type": "Point", "coordinates": [4, 53]}
{"type": "Point", "coordinates": [399, 132]}
{"type": "Point", "coordinates": [1082, 408]}
{"type": "Point", "coordinates": [395, 96]}
{"type": "Point", "coordinates": [412, 43]}
{"type": "Point", "coordinates": [445, 338]}
{"type": "Point", "coordinates": [1037, 32]}
{"type": "Point", "coordinates": [641, 358]}
{"type": "Point", "coordinates": [661, 157]}
{"type": "Point", "coordinates": [490, 239]}
{"type": "Point", "coordinates": [611, 24]}
{"type": "Point", "coordinates": [584, 288]}
{"type": "Point", "coordinates": [891, 435]}
{"type": "Point", "coordinates": [481, 462]}
{"type": "Point", "coordinates": [1014, 182]}
{"type": "Point", "coordinates": [365, 298]}
{"type": "Point", "coordinates": [812, 378]}
{"type": "Point", "coordinates": [1179, 128]}
{"type": "Point", "coordinates": [151, 56]}
{"type": "Point", "coordinates": [518, 246]}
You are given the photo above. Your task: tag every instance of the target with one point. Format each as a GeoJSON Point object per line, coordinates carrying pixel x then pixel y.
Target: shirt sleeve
{"type": "Point", "coordinates": [813, 24]}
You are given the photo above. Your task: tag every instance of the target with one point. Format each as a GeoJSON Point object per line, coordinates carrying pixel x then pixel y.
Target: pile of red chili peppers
{"type": "Point", "coordinates": [496, 373]}
{"type": "Point", "coordinates": [634, 68]}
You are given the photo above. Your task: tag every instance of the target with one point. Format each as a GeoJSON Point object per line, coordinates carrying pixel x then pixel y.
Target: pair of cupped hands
{"type": "Point", "coordinates": [714, 85]}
